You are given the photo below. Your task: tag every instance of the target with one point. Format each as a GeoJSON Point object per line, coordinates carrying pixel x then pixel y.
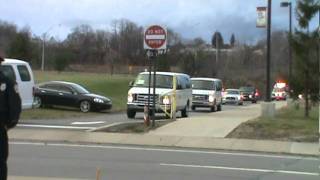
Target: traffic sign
{"type": "Point", "coordinates": [155, 37]}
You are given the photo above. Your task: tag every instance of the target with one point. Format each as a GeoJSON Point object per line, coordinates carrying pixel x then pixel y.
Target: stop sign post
{"type": "Point", "coordinates": [155, 40]}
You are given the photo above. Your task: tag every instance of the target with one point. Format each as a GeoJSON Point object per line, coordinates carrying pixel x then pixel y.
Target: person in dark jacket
{"type": "Point", "coordinates": [10, 108]}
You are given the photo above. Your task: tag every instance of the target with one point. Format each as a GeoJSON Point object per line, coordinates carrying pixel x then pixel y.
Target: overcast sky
{"type": "Point", "coordinates": [190, 18]}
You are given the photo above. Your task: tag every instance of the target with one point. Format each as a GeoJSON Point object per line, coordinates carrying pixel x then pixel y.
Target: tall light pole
{"type": "Point", "coordinates": [44, 35]}
{"type": "Point", "coordinates": [288, 4]}
{"type": "Point", "coordinates": [268, 88]}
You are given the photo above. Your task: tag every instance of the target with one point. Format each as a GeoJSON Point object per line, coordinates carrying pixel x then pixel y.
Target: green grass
{"type": "Point", "coordinates": [115, 87]}
{"type": "Point", "coordinates": [288, 125]}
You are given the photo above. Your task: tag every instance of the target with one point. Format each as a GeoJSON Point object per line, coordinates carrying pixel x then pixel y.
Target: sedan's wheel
{"type": "Point", "coordinates": [37, 102]}
{"type": "Point", "coordinates": [85, 106]}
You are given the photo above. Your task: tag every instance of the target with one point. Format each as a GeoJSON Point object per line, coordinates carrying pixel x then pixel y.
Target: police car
{"type": "Point", "coordinates": [21, 72]}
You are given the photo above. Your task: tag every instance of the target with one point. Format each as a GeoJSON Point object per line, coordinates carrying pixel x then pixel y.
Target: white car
{"type": "Point", "coordinates": [232, 96]}
{"type": "Point", "coordinates": [138, 94]}
{"type": "Point", "coordinates": [207, 92]}
{"type": "Point", "coordinates": [20, 71]}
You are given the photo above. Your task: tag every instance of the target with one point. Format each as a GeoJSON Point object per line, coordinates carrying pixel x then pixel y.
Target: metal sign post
{"type": "Point", "coordinates": [155, 39]}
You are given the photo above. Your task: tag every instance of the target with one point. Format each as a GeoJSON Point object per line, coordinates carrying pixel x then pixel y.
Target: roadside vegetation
{"type": "Point", "coordinates": [115, 87]}
{"type": "Point", "coordinates": [289, 124]}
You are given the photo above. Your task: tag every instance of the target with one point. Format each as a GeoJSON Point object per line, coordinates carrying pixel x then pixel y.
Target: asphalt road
{"type": "Point", "coordinates": [142, 163]}
{"type": "Point", "coordinates": [103, 120]}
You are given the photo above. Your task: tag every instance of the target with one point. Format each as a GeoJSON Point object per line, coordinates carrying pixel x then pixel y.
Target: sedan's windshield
{"type": "Point", "coordinates": [162, 81]}
{"type": "Point", "coordinates": [247, 89]}
{"type": "Point", "coordinates": [202, 84]}
{"type": "Point", "coordinates": [80, 89]}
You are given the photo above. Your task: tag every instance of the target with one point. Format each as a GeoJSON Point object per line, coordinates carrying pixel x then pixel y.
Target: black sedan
{"type": "Point", "coordinates": [249, 93]}
{"type": "Point", "coordinates": [62, 93]}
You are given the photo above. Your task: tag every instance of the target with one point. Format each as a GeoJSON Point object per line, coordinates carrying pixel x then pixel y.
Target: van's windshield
{"type": "Point", "coordinates": [202, 84]}
{"type": "Point", "coordinates": [162, 81]}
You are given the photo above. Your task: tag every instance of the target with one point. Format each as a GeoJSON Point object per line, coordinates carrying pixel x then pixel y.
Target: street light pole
{"type": "Point", "coordinates": [44, 35]}
{"type": "Point", "coordinates": [288, 4]}
{"type": "Point", "coordinates": [42, 58]}
{"type": "Point", "coordinates": [268, 89]}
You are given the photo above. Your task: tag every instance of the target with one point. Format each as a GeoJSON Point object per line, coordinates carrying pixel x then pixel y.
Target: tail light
{"type": "Point", "coordinates": [241, 96]}
{"type": "Point", "coordinates": [257, 93]}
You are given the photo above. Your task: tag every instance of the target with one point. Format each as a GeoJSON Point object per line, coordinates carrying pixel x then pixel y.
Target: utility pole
{"type": "Point", "coordinates": [268, 88]}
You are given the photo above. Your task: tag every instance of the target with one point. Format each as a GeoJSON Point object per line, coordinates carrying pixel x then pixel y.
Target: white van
{"type": "Point", "coordinates": [207, 92]}
{"type": "Point", "coordinates": [138, 94]}
{"type": "Point", "coordinates": [20, 72]}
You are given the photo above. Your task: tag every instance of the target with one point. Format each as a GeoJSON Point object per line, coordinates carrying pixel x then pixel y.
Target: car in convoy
{"type": "Point", "coordinates": [21, 72]}
{"type": "Point", "coordinates": [138, 94]}
{"type": "Point", "coordinates": [232, 96]}
{"type": "Point", "coordinates": [61, 93]}
{"type": "Point", "coordinates": [250, 93]}
{"type": "Point", "coordinates": [207, 92]}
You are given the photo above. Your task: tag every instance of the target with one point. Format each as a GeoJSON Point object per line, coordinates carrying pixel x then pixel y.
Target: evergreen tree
{"type": "Point", "coordinates": [217, 37]}
{"type": "Point", "coordinates": [232, 40]}
{"type": "Point", "coordinates": [305, 47]}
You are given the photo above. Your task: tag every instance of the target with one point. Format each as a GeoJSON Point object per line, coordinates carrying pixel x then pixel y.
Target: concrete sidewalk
{"type": "Point", "coordinates": [216, 124]}
{"type": "Point", "coordinates": [58, 136]}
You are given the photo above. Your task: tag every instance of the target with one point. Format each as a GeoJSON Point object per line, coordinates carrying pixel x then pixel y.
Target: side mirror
{"type": "Point", "coordinates": [131, 83]}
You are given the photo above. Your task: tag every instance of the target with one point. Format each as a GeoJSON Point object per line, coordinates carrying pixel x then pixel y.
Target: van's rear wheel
{"type": "Point", "coordinates": [37, 102]}
{"type": "Point", "coordinates": [185, 111]}
{"type": "Point", "coordinates": [219, 108]}
{"type": "Point", "coordinates": [131, 113]}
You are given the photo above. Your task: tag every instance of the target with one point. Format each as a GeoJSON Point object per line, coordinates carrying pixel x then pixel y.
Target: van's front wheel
{"type": "Point", "coordinates": [131, 113]}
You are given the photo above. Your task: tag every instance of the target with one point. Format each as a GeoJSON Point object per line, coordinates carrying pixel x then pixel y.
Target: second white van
{"type": "Point", "coordinates": [20, 71]}
{"type": "Point", "coordinates": [207, 92]}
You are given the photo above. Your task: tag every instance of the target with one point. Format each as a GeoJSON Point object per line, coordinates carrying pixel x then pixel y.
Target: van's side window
{"type": "Point", "coordinates": [8, 72]}
{"type": "Point", "coordinates": [24, 73]}
{"type": "Point", "coordinates": [187, 82]}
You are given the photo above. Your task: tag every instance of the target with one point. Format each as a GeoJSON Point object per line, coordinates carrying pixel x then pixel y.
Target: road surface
{"type": "Point", "coordinates": [143, 163]}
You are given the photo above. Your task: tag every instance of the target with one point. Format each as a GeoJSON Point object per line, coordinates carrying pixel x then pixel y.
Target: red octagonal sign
{"type": "Point", "coordinates": [155, 37]}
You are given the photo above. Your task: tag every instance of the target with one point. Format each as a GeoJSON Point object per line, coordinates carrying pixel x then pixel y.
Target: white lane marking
{"type": "Point", "coordinates": [242, 169]}
{"type": "Point", "coordinates": [169, 150]}
{"type": "Point", "coordinates": [53, 126]}
{"type": "Point", "coordinates": [88, 123]}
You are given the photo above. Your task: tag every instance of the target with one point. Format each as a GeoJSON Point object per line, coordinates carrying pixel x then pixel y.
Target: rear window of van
{"type": "Point", "coordinates": [24, 73]}
{"type": "Point", "coordinates": [8, 72]}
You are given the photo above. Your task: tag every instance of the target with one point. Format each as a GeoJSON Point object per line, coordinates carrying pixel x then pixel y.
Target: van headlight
{"type": "Point", "coordinates": [98, 100]}
{"type": "Point", "coordinates": [130, 98]}
{"type": "Point", "coordinates": [211, 98]}
{"type": "Point", "coordinates": [166, 100]}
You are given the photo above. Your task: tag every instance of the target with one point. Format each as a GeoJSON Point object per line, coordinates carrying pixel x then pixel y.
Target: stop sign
{"type": "Point", "coordinates": [155, 37]}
